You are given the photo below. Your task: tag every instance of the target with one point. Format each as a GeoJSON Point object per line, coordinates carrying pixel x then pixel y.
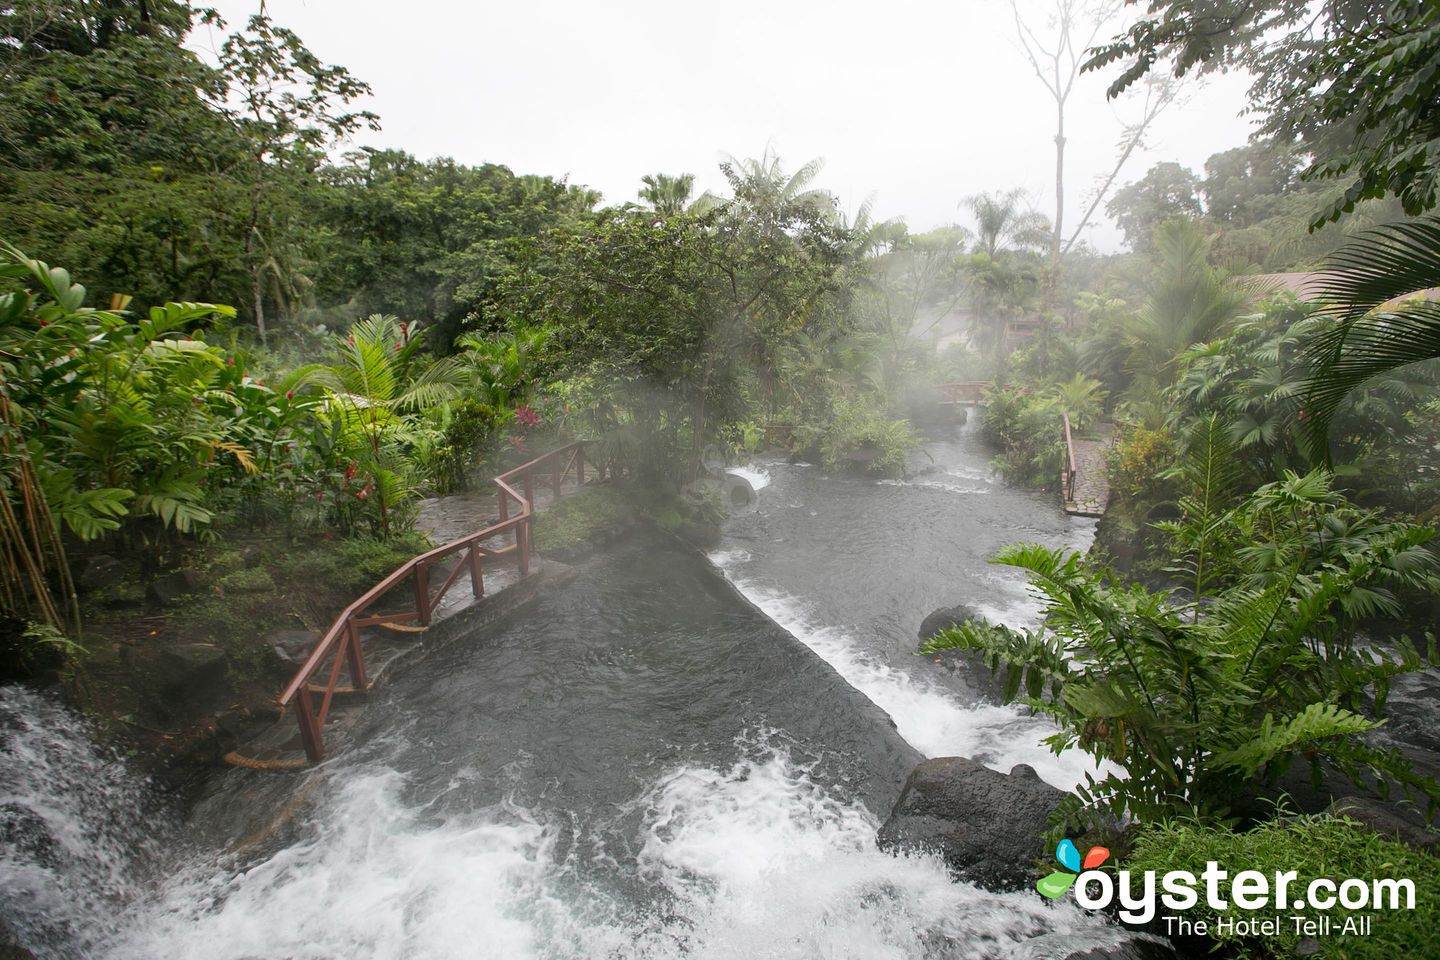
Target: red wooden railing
{"type": "Point", "coordinates": [964, 391]}
{"type": "Point", "coordinates": [341, 643]}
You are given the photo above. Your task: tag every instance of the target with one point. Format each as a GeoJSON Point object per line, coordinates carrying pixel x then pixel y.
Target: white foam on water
{"type": "Point", "coordinates": [75, 826]}
{"type": "Point", "coordinates": [930, 718]}
{"type": "Point", "coordinates": [757, 477]}
{"type": "Point", "coordinates": [780, 869]}
{"type": "Point", "coordinates": [755, 860]}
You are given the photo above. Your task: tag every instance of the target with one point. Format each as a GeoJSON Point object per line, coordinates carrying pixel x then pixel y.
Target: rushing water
{"type": "Point", "coordinates": [851, 567]}
{"type": "Point", "coordinates": [643, 766]}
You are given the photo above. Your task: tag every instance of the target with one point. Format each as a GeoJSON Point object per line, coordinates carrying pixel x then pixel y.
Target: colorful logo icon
{"type": "Point", "coordinates": [1069, 857]}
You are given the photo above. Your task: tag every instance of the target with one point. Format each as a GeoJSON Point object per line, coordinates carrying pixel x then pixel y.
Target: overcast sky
{"type": "Point", "coordinates": [911, 103]}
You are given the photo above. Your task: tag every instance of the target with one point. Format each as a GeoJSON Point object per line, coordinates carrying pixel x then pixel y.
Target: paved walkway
{"type": "Point", "coordinates": [1092, 480]}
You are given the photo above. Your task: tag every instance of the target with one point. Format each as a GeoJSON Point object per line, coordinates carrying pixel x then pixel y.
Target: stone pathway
{"type": "Point", "coordinates": [1092, 480]}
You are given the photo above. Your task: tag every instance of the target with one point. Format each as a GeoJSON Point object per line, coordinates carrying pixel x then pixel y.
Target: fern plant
{"type": "Point", "coordinates": [1205, 702]}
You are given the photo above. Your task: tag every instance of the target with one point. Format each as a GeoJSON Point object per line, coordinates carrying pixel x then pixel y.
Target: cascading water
{"type": "Point", "coordinates": [643, 766]}
{"type": "Point", "coordinates": [77, 831]}
{"type": "Point", "coordinates": [852, 566]}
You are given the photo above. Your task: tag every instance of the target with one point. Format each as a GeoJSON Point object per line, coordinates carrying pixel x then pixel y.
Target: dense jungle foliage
{"type": "Point", "coordinates": [213, 322]}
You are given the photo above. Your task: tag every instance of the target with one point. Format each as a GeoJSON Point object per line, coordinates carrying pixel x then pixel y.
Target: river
{"type": "Point", "coordinates": [642, 766]}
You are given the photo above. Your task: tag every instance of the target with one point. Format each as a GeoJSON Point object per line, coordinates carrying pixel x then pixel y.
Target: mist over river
{"type": "Point", "coordinates": [642, 765]}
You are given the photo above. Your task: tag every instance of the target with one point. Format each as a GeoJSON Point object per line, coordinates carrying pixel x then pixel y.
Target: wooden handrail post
{"type": "Point", "coordinates": [554, 478]}
{"type": "Point", "coordinates": [352, 653]}
{"type": "Point", "coordinates": [309, 728]}
{"type": "Point", "coordinates": [477, 575]}
{"type": "Point", "coordinates": [523, 546]}
{"type": "Point", "coordinates": [422, 593]}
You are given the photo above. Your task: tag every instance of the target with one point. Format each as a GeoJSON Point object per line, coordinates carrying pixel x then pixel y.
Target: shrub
{"type": "Point", "coordinates": [1314, 847]}
{"type": "Point", "coordinates": [1137, 460]}
{"type": "Point", "coordinates": [1031, 434]}
{"type": "Point", "coordinates": [861, 438]}
{"type": "Point", "coordinates": [1206, 701]}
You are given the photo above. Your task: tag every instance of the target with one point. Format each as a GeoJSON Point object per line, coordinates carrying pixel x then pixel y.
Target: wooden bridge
{"type": "Point", "coordinates": [1084, 477]}
{"type": "Point", "coordinates": [968, 392]}
{"type": "Point", "coordinates": [340, 646]}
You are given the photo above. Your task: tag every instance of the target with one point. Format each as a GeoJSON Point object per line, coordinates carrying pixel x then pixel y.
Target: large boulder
{"type": "Point", "coordinates": [965, 665]}
{"type": "Point", "coordinates": [986, 825]}
{"type": "Point", "coordinates": [945, 618]}
{"type": "Point", "coordinates": [100, 572]}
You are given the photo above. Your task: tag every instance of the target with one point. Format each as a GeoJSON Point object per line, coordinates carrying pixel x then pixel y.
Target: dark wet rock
{"type": "Point", "coordinates": [986, 825]}
{"type": "Point", "coordinates": [965, 665]}
{"type": "Point", "coordinates": [190, 674]}
{"type": "Point", "coordinates": [1106, 943]}
{"type": "Point", "coordinates": [10, 946]}
{"type": "Point", "coordinates": [1301, 794]}
{"type": "Point", "coordinates": [945, 618]}
{"type": "Point", "coordinates": [1388, 820]}
{"type": "Point", "coordinates": [173, 586]}
{"type": "Point", "coordinates": [293, 646]}
{"type": "Point", "coordinates": [100, 572]}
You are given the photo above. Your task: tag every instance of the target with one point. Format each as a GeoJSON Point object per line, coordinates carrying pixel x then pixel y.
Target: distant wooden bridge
{"type": "Point", "coordinates": [1084, 477]}
{"type": "Point", "coordinates": [967, 392]}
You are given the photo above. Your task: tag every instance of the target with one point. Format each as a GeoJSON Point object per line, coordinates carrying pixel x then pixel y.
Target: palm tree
{"type": "Point", "coordinates": [762, 185]}
{"type": "Point", "coordinates": [1374, 333]}
{"type": "Point", "coordinates": [372, 385]}
{"type": "Point", "coordinates": [667, 195]}
{"type": "Point", "coordinates": [1001, 222]}
{"type": "Point", "coordinates": [1190, 303]}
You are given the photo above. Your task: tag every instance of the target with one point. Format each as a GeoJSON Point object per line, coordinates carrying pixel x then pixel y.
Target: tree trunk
{"type": "Point", "coordinates": [251, 260]}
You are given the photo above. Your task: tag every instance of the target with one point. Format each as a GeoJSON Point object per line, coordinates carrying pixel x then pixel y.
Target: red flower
{"type": "Point", "coordinates": [289, 394]}
{"type": "Point", "coordinates": [230, 363]}
{"type": "Point", "coordinates": [397, 347]}
{"type": "Point", "coordinates": [44, 323]}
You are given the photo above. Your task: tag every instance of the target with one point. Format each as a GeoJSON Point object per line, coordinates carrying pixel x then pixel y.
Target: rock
{"type": "Point", "coordinates": [100, 572]}
{"type": "Point", "coordinates": [1105, 943]}
{"type": "Point", "coordinates": [978, 679]}
{"type": "Point", "coordinates": [986, 825]}
{"type": "Point", "coordinates": [293, 646]}
{"type": "Point", "coordinates": [10, 946]}
{"type": "Point", "coordinates": [190, 674]}
{"type": "Point", "coordinates": [1386, 820]}
{"type": "Point", "coordinates": [945, 618]}
{"type": "Point", "coordinates": [173, 586]}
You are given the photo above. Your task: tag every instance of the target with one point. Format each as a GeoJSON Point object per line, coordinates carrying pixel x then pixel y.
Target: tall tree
{"type": "Point", "coordinates": [667, 196]}
{"type": "Point", "coordinates": [1003, 220]}
{"type": "Point", "coordinates": [1056, 55]}
{"type": "Point", "coordinates": [1360, 79]}
{"type": "Point", "coordinates": [288, 105]}
{"type": "Point", "coordinates": [1168, 191]}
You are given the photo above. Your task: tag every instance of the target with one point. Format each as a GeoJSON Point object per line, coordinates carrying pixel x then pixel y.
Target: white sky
{"type": "Point", "coordinates": [913, 103]}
